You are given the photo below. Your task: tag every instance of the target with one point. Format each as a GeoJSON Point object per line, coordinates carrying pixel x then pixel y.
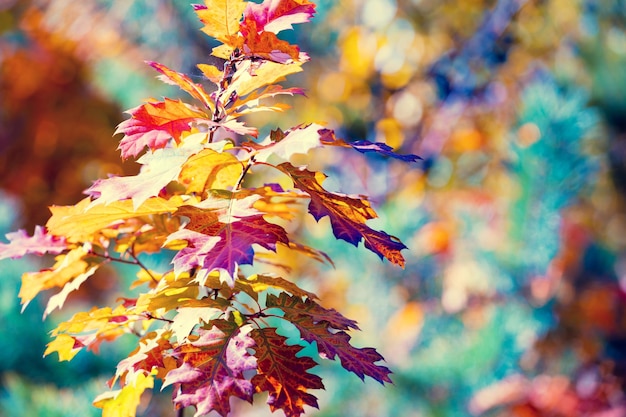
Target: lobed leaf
{"type": "Point", "coordinates": [212, 369]}
{"type": "Point", "coordinates": [320, 325]}
{"type": "Point", "coordinates": [124, 402]}
{"type": "Point", "coordinates": [185, 83]}
{"type": "Point", "coordinates": [40, 243]}
{"type": "Point", "coordinates": [259, 283]}
{"type": "Point", "coordinates": [158, 169]}
{"type": "Point", "coordinates": [347, 214]}
{"type": "Point", "coordinates": [293, 305]}
{"type": "Point", "coordinates": [283, 374]}
{"type": "Point", "coordinates": [278, 15]}
{"type": "Point", "coordinates": [57, 300]}
{"type": "Point", "coordinates": [281, 149]}
{"type": "Point", "coordinates": [221, 18]}
{"type": "Point", "coordinates": [266, 45]}
{"type": "Point", "coordinates": [152, 356]}
{"type": "Point", "coordinates": [89, 329]}
{"type": "Point", "coordinates": [327, 137]}
{"type": "Point", "coordinates": [81, 221]}
{"type": "Point", "coordinates": [210, 169]}
{"type": "Point", "coordinates": [155, 124]}
{"type": "Point", "coordinates": [250, 77]}
{"type": "Point", "coordinates": [68, 267]}
{"type": "Point", "coordinates": [222, 239]}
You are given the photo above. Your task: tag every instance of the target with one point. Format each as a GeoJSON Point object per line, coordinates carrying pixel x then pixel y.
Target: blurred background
{"type": "Point", "coordinates": [513, 300]}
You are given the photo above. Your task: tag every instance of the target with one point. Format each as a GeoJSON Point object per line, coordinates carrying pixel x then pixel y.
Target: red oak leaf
{"type": "Point", "coordinates": [300, 140]}
{"type": "Point", "coordinates": [282, 146]}
{"type": "Point", "coordinates": [39, 243]}
{"type": "Point", "coordinates": [158, 169]}
{"type": "Point", "coordinates": [347, 215]}
{"type": "Point", "coordinates": [212, 369]}
{"type": "Point", "coordinates": [152, 353]}
{"type": "Point", "coordinates": [277, 15]}
{"type": "Point", "coordinates": [312, 309]}
{"type": "Point", "coordinates": [220, 17]}
{"type": "Point", "coordinates": [222, 238]}
{"type": "Point", "coordinates": [327, 137]}
{"type": "Point", "coordinates": [315, 323]}
{"type": "Point", "coordinates": [266, 45]}
{"type": "Point", "coordinates": [185, 83]}
{"type": "Point", "coordinates": [282, 374]}
{"type": "Point", "coordinates": [154, 124]}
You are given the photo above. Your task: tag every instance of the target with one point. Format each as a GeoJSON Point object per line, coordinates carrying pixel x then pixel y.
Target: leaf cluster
{"type": "Point", "coordinates": [204, 326]}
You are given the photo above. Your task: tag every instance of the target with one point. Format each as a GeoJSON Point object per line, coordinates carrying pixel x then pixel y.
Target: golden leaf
{"type": "Point", "coordinates": [221, 18]}
{"type": "Point", "coordinates": [124, 402]}
{"type": "Point", "coordinates": [80, 222]}
{"type": "Point", "coordinates": [67, 267]}
{"type": "Point", "coordinates": [210, 170]}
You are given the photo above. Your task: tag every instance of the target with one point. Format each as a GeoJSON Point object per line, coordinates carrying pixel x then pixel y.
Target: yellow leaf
{"type": "Point", "coordinates": [210, 170]}
{"type": "Point", "coordinates": [92, 328]}
{"type": "Point", "coordinates": [146, 277]}
{"type": "Point", "coordinates": [222, 51]}
{"type": "Point", "coordinates": [249, 77]}
{"type": "Point", "coordinates": [63, 345]}
{"type": "Point", "coordinates": [124, 402]}
{"type": "Point", "coordinates": [97, 319]}
{"type": "Point", "coordinates": [173, 293]}
{"type": "Point", "coordinates": [79, 222]}
{"type": "Point", "coordinates": [221, 18]}
{"type": "Point", "coordinates": [213, 73]}
{"type": "Point", "coordinates": [67, 267]}
{"type": "Point", "coordinates": [263, 282]}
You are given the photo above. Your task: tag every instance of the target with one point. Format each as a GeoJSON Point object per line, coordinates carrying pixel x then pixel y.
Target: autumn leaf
{"type": "Point", "coordinates": [327, 137]}
{"type": "Point", "coordinates": [185, 83]}
{"type": "Point", "coordinates": [176, 292]}
{"type": "Point", "coordinates": [210, 169]}
{"type": "Point", "coordinates": [212, 73]}
{"type": "Point", "coordinates": [251, 76]}
{"type": "Point", "coordinates": [78, 223]}
{"type": "Point", "coordinates": [91, 328]}
{"type": "Point", "coordinates": [347, 215]}
{"type": "Point", "coordinates": [155, 124]}
{"type": "Point", "coordinates": [187, 318]}
{"type": "Point", "coordinates": [360, 361]}
{"type": "Point", "coordinates": [277, 15]}
{"type": "Point", "coordinates": [57, 300]}
{"type": "Point", "coordinates": [310, 308]}
{"type": "Point", "coordinates": [124, 402]}
{"type": "Point", "coordinates": [320, 325]}
{"type": "Point", "coordinates": [65, 346]}
{"type": "Point", "coordinates": [223, 246]}
{"type": "Point", "coordinates": [251, 103]}
{"type": "Point", "coordinates": [259, 283]}
{"type": "Point", "coordinates": [266, 45]}
{"type": "Point", "coordinates": [40, 243]}
{"type": "Point", "coordinates": [221, 18]}
{"type": "Point", "coordinates": [297, 141]}
{"type": "Point", "coordinates": [283, 374]}
{"type": "Point", "coordinates": [150, 356]}
{"type": "Point", "coordinates": [158, 169]}
{"type": "Point", "coordinates": [212, 368]}
{"type": "Point", "coordinates": [68, 267]}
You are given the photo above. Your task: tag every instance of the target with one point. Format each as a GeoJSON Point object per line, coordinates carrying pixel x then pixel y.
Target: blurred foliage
{"type": "Point", "coordinates": [512, 301]}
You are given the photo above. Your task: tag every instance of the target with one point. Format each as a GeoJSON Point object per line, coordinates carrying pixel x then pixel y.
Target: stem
{"type": "Point", "coordinates": [111, 258]}
{"type": "Point", "coordinates": [151, 317]}
{"type": "Point", "coordinates": [135, 261]}
{"type": "Point", "coordinates": [180, 412]}
{"type": "Point", "coordinates": [244, 172]}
